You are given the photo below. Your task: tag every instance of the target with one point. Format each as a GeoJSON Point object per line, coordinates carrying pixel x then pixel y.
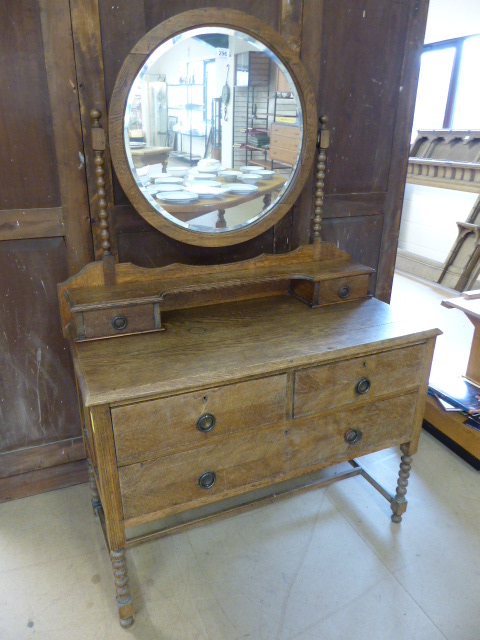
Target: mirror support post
{"type": "Point", "coordinates": [98, 146]}
{"type": "Point", "coordinates": [323, 142]}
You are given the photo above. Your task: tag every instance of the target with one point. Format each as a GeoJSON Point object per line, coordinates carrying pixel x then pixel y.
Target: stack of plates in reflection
{"type": "Point", "coordinates": [242, 189]}
{"type": "Point", "coordinates": [177, 197]}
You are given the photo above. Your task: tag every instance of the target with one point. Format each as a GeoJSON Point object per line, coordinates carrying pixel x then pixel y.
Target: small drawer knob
{"type": "Point", "coordinates": [119, 323]}
{"type": "Point", "coordinates": [353, 436]}
{"type": "Point", "coordinates": [206, 422]}
{"type": "Point", "coordinates": [362, 386]}
{"type": "Point", "coordinates": [344, 291]}
{"type": "Point", "coordinates": [207, 480]}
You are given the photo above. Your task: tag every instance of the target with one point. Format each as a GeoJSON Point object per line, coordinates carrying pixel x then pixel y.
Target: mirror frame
{"type": "Point", "coordinates": [137, 57]}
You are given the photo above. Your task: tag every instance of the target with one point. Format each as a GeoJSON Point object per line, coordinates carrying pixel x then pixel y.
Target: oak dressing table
{"type": "Point", "coordinates": [200, 384]}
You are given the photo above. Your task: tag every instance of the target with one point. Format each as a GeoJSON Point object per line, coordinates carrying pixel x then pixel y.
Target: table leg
{"type": "Point", "coordinates": [96, 504]}
{"type": "Point", "coordinates": [124, 599]}
{"type": "Point", "coordinates": [399, 504]}
{"type": "Point", "coordinates": [221, 223]}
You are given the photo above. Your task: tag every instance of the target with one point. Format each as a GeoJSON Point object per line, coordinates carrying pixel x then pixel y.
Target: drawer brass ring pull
{"type": "Point", "coordinates": [353, 436]}
{"type": "Point", "coordinates": [344, 291]}
{"type": "Point", "coordinates": [119, 323]}
{"type": "Point", "coordinates": [362, 386]}
{"type": "Point", "coordinates": [206, 422]}
{"type": "Point", "coordinates": [207, 480]}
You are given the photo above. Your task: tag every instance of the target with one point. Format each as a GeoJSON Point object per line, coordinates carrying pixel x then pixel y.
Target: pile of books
{"type": "Point", "coordinates": [258, 137]}
{"type": "Point", "coordinates": [458, 394]}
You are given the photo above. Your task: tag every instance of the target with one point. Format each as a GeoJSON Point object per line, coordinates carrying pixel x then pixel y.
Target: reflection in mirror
{"type": "Point", "coordinates": [213, 129]}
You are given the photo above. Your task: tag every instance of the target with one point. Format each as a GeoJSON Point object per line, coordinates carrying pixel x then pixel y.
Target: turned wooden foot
{"type": "Point", "coordinates": [399, 504]}
{"type": "Point", "coordinates": [96, 504]}
{"type": "Point", "coordinates": [124, 599]}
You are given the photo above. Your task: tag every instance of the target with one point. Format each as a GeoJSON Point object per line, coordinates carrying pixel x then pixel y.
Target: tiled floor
{"type": "Point", "coordinates": [324, 565]}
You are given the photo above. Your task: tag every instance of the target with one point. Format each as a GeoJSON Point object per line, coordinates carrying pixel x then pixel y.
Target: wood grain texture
{"type": "Point", "coordinates": [415, 30]}
{"type": "Point", "coordinates": [209, 346]}
{"type": "Point", "coordinates": [69, 151]}
{"type": "Point", "coordinates": [88, 291]}
{"type": "Point", "coordinates": [157, 428]}
{"type": "Point", "coordinates": [258, 458]}
{"type": "Point", "coordinates": [363, 95]}
{"type": "Point", "coordinates": [130, 68]}
{"type": "Point", "coordinates": [42, 480]}
{"type": "Point", "coordinates": [359, 235]}
{"type": "Point", "coordinates": [452, 425]}
{"type": "Point", "coordinates": [38, 400]}
{"type": "Point", "coordinates": [412, 446]}
{"type": "Point", "coordinates": [91, 95]}
{"type": "Point", "coordinates": [28, 171]}
{"type": "Point", "coordinates": [101, 425]}
{"type": "Point", "coordinates": [20, 224]}
{"type": "Point", "coordinates": [335, 384]}
{"type": "Point", "coordinates": [45, 455]}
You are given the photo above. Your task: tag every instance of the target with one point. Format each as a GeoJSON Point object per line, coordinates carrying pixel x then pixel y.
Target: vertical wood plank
{"type": "Point", "coordinates": [90, 77]}
{"type": "Point", "coordinates": [108, 475]}
{"type": "Point", "coordinates": [400, 146]}
{"type": "Point", "coordinates": [291, 23]}
{"type": "Point", "coordinates": [28, 172]}
{"type": "Point", "coordinates": [311, 55]}
{"type": "Point", "coordinates": [291, 29]}
{"type": "Point", "coordinates": [62, 89]}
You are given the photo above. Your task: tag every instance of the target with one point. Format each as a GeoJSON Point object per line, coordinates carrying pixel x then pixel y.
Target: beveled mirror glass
{"type": "Point", "coordinates": [213, 125]}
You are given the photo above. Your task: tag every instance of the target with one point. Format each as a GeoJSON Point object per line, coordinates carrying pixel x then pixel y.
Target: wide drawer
{"type": "Point", "coordinates": [256, 458]}
{"type": "Point", "coordinates": [154, 428]}
{"type": "Point", "coordinates": [343, 383]}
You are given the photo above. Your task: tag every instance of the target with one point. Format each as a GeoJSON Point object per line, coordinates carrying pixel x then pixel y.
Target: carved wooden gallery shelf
{"type": "Point", "coordinates": [238, 395]}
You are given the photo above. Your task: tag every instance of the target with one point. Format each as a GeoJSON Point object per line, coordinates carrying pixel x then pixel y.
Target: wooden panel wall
{"type": "Point", "coordinates": [369, 56]}
{"type": "Point", "coordinates": [62, 59]}
{"type": "Point", "coordinates": [44, 236]}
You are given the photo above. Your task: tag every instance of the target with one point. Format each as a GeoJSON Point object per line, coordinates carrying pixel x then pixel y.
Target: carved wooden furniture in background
{"type": "Point", "coordinates": [446, 158]}
{"type": "Point", "coordinates": [450, 159]}
{"type": "Point", "coordinates": [199, 385]}
{"type": "Point", "coordinates": [151, 155]}
{"type": "Point", "coordinates": [452, 423]}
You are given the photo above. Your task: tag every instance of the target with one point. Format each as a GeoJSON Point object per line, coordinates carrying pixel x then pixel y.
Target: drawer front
{"type": "Point", "coordinates": [158, 427]}
{"type": "Point", "coordinates": [343, 383]}
{"type": "Point", "coordinates": [119, 321]}
{"type": "Point", "coordinates": [253, 459]}
{"type": "Point", "coordinates": [343, 289]}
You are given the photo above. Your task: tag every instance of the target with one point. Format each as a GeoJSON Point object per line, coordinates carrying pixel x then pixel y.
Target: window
{"type": "Point", "coordinates": [448, 95]}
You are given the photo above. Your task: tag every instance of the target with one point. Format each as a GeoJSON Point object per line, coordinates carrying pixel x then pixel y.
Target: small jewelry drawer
{"type": "Point", "coordinates": [349, 381]}
{"type": "Point", "coordinates": [332, 290]}
{"type": "Point", "coordinates": [158, 427]}
{"type": "Point", "coordinates": [116, 321]}
{"type": "Point", "coordinates": [343, 289]}
{"type": "Point", "coordinates": [255, 458]}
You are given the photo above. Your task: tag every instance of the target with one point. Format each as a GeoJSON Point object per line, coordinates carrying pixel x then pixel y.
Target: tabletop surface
{"type": "Point", "coordinates": [212, 345]}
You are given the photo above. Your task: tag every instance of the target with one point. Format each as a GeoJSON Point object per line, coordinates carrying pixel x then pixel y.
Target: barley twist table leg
{"type": "Point", "coordinates": [399, 504]}
{"type": "Point", "coordinates": [124, 599]}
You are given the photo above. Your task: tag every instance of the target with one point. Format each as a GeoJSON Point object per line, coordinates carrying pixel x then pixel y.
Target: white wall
{"type": "Point", "coordinates": [429, 220]}
{"type": "Point", "coordinates": [428, 228]}
{"type": "Point", "coordinates": [452, 19]}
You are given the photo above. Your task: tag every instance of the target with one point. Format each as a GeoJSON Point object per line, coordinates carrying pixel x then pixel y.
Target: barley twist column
{"type": "Point", "coordinates": [399, 504]}
{"type": "Point", "coordinates": [323, 144]}
{"type": "Point", "coordinates": [98, 144]}
{"type": "Point", "coordinates": [124, 599]}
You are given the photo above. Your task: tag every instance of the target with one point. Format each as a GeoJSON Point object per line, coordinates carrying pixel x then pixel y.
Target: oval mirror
{"type": "Point", "coordinates": [212, 127]}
